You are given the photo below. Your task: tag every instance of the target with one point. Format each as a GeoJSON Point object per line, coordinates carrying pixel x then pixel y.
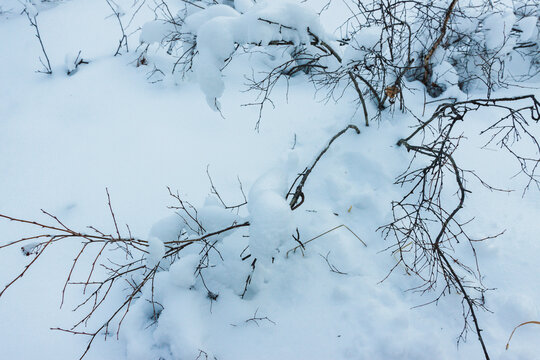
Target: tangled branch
{"type": "Point", "coordinates": [425, 225]}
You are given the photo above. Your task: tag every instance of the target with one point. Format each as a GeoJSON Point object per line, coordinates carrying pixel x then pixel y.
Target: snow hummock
{"type": "Point", "coordinates": [444, 74]}
{"type": "Point", "coordinates": [270, 215]}
{"type": "Point", "coordinates": [214, 216]}
{"type": "Point", "coordinates": [193, 22]}
{"type": "Point", "coordinates": [215, 43]}
{"type": "Point", "coordinates": [182, 272]}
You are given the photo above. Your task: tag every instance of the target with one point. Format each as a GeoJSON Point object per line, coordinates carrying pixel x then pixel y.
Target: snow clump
{"type": "Point", "coordinates": [156, 251]}
{"type": "Point", "coordinates": [271, 217]}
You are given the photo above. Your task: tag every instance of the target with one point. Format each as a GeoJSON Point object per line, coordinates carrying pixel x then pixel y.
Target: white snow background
{"type": "Point", "coordinates": [64, 139]}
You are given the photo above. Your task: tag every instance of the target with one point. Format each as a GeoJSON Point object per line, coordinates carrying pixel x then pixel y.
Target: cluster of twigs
{"type": "Point", "coordinates": [426, 226]}
{"type": "Point", "coordinates": [132, 266]}
{"type": "Point", "coordinates": [74, 67]}
{"type": "Point", "coordinates": [133, 269]}
{"type": "Point", "coordinates": [410, 34]}
{"type": "Point", "coordinates": [96, 291]}
{"type": "Point", "coordinates": [316, 58]}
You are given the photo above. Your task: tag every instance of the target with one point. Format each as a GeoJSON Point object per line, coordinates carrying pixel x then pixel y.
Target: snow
{"type": "Point", "coordinates": [214, 216]}
{"type": "Point", "coordinates": [156, 251]}
{"type": "Point", "coordinates": [31, 9]}
{"type": "Point", "coordinates": [215, 43]}
{"type": "Point", "coordinates": [65, 139]}
{"type": "Point", "coordinates": [155, 31]}
{"type": "Point", "coordinates": [194, 22]}
{"type": "Point", "coordinates": [182, 271]}
{"type": "Point", "coordinates": [270, 216]}
{"type": "Point", "coordinates": [29, 249]}
{"type": "Point", "coordinates": [528, 27]}
{"type": "Point", "coordinates": [362, 42]}
{"type": "Point", "coordinates": [219, 28]}
{"type": "Point", "coordinates": [444, 74]}
{"type": "Point", "coordinates": [243, 5]}
{"type": "Point", "coordinates": [497, 28]}
{"type": "Point", "coordinates": [466, 25]}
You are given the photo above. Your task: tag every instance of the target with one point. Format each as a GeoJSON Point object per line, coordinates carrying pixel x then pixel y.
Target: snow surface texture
{"type": "Point", "coordinates": [64, 139]}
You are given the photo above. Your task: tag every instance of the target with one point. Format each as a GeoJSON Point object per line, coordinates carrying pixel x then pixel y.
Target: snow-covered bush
{"type": "Point", "coordinates": [205, 36]}
{"type": "Point", "coordinates": [228, 254]}
{"type": "Point", "coordinates": [443, 44]}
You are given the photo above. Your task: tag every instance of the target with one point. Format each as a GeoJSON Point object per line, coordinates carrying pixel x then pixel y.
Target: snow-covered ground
{"type": "Point", "coordinates": [65, 139]}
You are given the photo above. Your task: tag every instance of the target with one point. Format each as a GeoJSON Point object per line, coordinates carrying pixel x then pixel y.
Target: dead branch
{"type": "Point", "coordinates": [123, 42]}
{"type": "Point", "coordinates": [438, 41]}
{"type": "Point", "coordinates": [34, 23]}
{"type": "Point", "coordinates": [331, 266]}
{"type": "Point", "coordinates": [136, 267]}
{"type": "Point", "coordinates": [302, 245]}
{"type": "Point", "coordinates": [426, 251]}
{"type": "Point", "coordinates": [215, 192]}
{"type": "Point", "coordinates": [298, 195]}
